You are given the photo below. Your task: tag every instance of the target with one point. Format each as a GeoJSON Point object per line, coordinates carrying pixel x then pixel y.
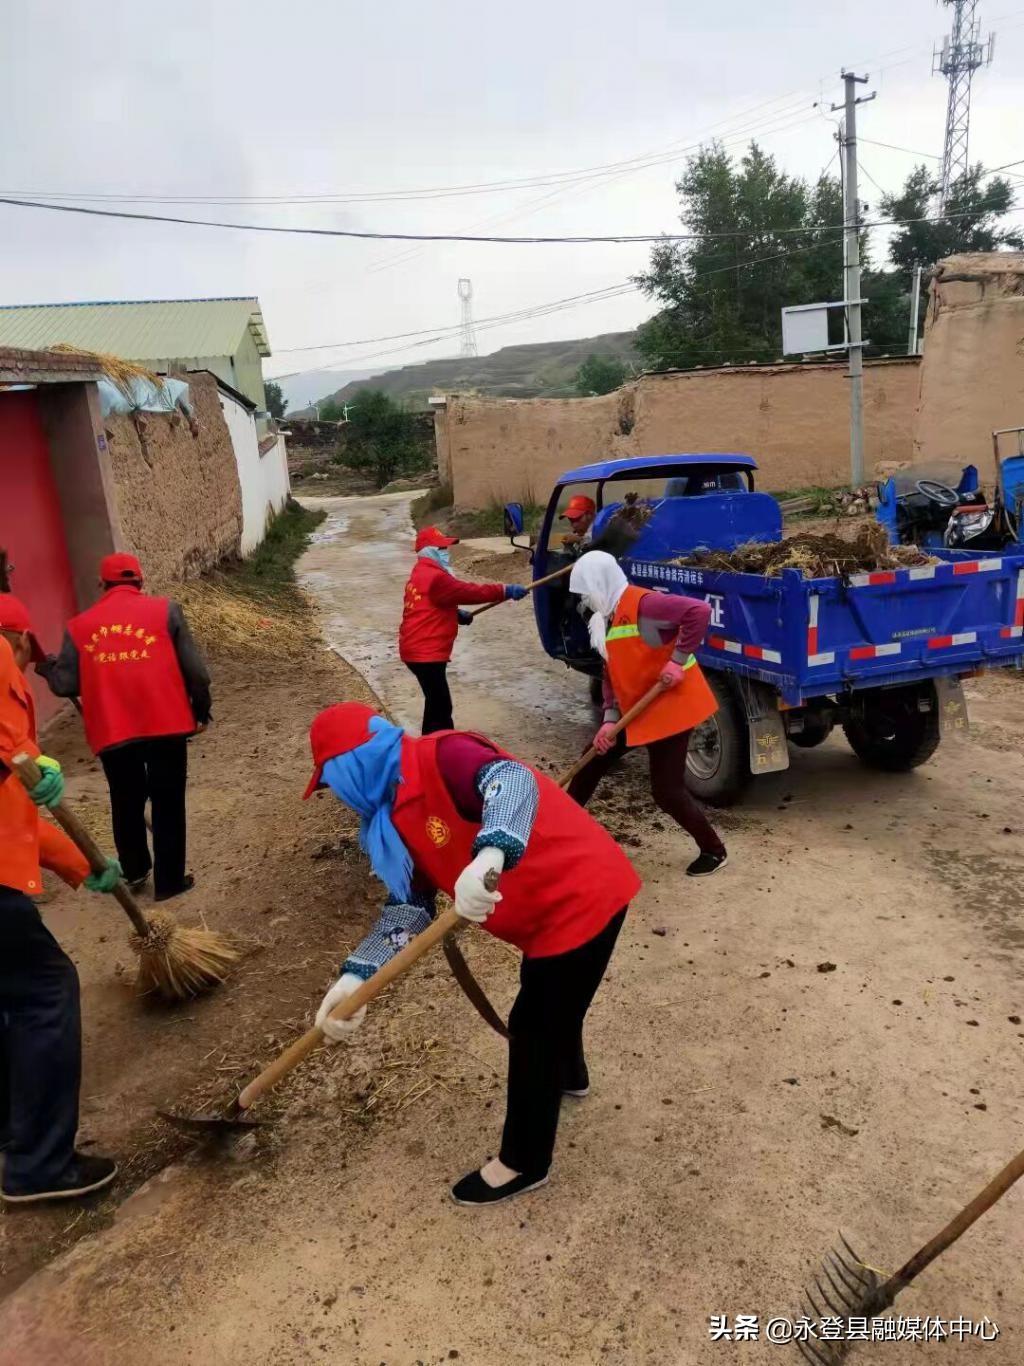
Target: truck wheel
{"type": "Point", "coordinates": [817, 729]}
{"type": "Point", "coordinates": [892, 733]}
{"type": "Point", "coordinates": [718, 760]}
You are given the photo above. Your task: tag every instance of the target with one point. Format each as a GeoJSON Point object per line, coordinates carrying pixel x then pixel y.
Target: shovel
{"type": "Point", "coordinates": [854, 1290]}
{"type": "Point", "coordinates": [537, 583]}
{"type": "Point", "coordinates": [649, 696]}
{"type": "Point", "coordinates": [235, 1118]}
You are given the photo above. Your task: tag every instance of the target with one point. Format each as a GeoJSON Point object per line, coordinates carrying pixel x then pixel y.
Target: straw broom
{"type": "Point", "coordinates": [174, 961]}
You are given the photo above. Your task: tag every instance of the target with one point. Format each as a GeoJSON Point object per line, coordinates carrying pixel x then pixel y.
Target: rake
{"type": "Point", "coordinates": [854, 1290]}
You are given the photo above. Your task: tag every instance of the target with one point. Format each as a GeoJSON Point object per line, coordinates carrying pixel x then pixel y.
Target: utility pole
{"type": "Point", "coordinates": [851, 271]}
{"type": "Point", "coordinates": [915, 308]}
{"type": "Point", "coordinates": [467, 336]}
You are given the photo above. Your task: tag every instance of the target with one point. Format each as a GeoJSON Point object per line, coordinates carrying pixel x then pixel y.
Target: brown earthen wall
{"type": "Point", "coordinates": [178, 496]}
{"type": "Point", "coordinates": [793, 419]}
{"type": "Point", "coordinates": [972, 375]}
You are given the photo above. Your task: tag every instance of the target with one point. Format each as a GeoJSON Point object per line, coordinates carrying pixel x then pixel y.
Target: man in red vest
{"type": "Point", "coordinates": [40, 1020]}
{"type": "Point", "coordinates": [144, 689]}
{"type": "Point", "coordinates": [440, 813]}
{"type": "Point", "coordinates": [431, 617]}
{"type": "Point", "coordinates": [644, 637]}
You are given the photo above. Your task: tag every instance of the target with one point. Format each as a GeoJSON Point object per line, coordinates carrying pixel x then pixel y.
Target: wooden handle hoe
{"type": "Point", "coordinates": [235, 1116]}
{"type": "Point", "coordinates": [649, 696]}
{"type": "Point", "coordinates": [537, 583]}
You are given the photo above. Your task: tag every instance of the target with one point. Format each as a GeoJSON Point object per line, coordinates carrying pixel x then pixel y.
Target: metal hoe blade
{"type": "Point", "coordinates": [210, 1126]}
{"type": "Point", "coordinates": [845, 1289]}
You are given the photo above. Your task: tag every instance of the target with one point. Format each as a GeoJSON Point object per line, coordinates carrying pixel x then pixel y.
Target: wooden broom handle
{"type": "Point", "coordinates": [394, 967]}
{"type": "Point", "coordinates": [30, 773]}
{"type": "Point", "coordinates": [983, 1201]}
{"type": "Point", "coordinates": [621, 724]}
{"type": "Point", "coordinates": [537, 583]}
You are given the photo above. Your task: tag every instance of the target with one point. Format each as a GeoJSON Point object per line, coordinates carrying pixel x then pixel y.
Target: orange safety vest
{"type": "Point", "coordinates": [26, 840]}
{"type": "Point", "coordinates": [634, 667]}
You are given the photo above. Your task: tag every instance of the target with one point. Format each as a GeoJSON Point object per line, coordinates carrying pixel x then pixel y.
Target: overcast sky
{"type": "Point", "coordinates": [321, 97]}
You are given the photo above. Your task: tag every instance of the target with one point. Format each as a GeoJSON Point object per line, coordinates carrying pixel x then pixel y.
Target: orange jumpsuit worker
{"type": "Point", "coordinates": [431, 617]}
{"type": "Point", "coordinates": [40, 1023]}
{"type": "Point", "coordinates": [644, 637]}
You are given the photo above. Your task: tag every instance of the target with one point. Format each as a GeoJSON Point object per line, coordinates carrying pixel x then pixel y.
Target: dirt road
{"type": "Point", "coordinates": [828, 1033]}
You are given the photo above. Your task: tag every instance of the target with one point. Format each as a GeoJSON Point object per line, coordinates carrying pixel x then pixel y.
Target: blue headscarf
{"type": "Point", "coordinates": [366, 779]}
{"type": "Point", "coordinates": [439, 555]}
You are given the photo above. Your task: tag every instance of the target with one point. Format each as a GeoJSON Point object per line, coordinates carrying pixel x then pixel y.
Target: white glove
{"type": "Point", "coordinates": [335, 1031]}
{"type": "Point", "coordinates": [472, 899]}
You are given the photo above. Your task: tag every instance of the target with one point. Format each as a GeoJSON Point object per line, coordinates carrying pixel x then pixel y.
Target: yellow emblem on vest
{"type": "Point", "coordinates": [438, 831]}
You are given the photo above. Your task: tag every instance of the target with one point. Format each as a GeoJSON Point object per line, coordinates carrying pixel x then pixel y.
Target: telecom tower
{"type": "Point", "coordinates": [962, 53]}
{"type": "Point", "coordinates": [467, 344]}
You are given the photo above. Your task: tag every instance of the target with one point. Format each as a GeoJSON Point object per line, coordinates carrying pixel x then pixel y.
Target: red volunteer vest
{"type": "Point", "coordinates": [427, 633]}
{"type": "Point", "coordinates": [572, 879]}
{"type": "Point", "coordinates": [634, 667]}
{"type": "Point", "coordinates": [131, 685]}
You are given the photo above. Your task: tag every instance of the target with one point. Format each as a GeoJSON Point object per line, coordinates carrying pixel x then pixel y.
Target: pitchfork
{"type": "Point", "coordinates": [853, 1289]}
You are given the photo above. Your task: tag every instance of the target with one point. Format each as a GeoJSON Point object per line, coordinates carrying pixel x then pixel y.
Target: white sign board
{"type": "Point", "coordinates": [804, 329]}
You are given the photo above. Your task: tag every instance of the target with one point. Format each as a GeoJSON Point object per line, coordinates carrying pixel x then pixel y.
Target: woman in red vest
{"type": "Point", "coordinates": [643, 637]}
{"type": "Point", "coordinates": [144, 689]}
{"type": "Point", "coordinates": [438, 814]}
{"type": "Point", "coordinates": [431, 617]}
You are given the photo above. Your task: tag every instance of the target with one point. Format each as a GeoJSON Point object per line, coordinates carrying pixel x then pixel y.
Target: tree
{"type": "Point", "coordinates": [756, 249]}
{"type": "Point", "coordinates": [600, 374]}
{"type": "Point", "coordinates": [382, 438]}
{"type": "Point", "coordinates": [276, 401]}
{"type": "Point", "coordinates": [970, 222]}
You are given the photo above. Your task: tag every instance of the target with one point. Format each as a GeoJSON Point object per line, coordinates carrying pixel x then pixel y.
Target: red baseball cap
{"type": "Point", "coordinates": [579, 505]}
{"type": "Point", "coordinates": [336, 730]}
{"type": "Point", "coordinates": [119, 568]}
{"type": "Point", "coordinates": [432, 535]}
{"type": "Point", "coordinates": [14, 616]}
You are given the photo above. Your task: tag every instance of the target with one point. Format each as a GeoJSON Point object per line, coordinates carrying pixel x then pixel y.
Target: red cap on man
{"type": "Point", "coordinates": [336, 730]}
{"type": "Point", "coordinates": [434, 536]}
{"type": "Point", "coordinates": [579, 505]}
{"type": "Point", "coordinates": [120, 568]}
{"type": "Point", "coordinates": [14, 616]}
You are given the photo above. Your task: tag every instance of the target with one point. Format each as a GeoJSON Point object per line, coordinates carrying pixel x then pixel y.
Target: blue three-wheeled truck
{"type": "Point", "coordinates": [883, 654]}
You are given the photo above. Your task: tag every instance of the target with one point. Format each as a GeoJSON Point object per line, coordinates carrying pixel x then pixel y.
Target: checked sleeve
{"type": "Point", "coordinates": [397, 923]}
{"type": "Point", "coordinates": [510, 800]}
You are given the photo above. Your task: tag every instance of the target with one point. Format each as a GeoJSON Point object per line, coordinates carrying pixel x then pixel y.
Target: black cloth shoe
{"type": "Point", "coordinates": [706, 864]}
{"type": "Point", "coordinates": [136, 884]}
{"type": "Point", "coordinates": [474, 1190]}
{"type": "Point", "coordinates": [577, 1083]}
{"type": "Point", "coordinates": [188, 882]}
{"type": "Point", "coordinates": [83, 1176]}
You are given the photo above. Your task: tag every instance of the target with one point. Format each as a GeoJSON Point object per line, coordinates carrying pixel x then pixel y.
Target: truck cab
{"type": "Point", "coordinates": [691, 500]}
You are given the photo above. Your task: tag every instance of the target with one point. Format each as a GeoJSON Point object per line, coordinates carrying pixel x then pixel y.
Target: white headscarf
{"type": "Point", "coordinates": [599, 581]}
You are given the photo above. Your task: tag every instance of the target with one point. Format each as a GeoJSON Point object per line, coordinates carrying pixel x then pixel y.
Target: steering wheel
{"type": "Point", "coordinates": [938, 493]}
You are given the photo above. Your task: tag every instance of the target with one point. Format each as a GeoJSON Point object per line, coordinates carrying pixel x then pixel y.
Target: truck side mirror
{"type": "Point", "coordinates": [514, 520]}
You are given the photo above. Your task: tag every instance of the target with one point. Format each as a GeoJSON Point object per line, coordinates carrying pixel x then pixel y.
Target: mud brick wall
{"type": "Point", "coordinates": [794, 419]}
{"type": "Point", "coordinates": [972, 375]}
{"type": "Point", "coordinates": [178, 496]}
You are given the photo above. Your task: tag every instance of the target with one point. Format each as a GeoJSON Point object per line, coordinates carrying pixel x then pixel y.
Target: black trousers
{"type": "Point", "coordinates": [40, 1048]}
{"type": "Point", "coordinates": [667, 760]}
{"type": "Point", "coordinates": [545, 1047]}
{"type": "Point", "coordinates": [156, 769]}
{"type": "Point", "coordinates": [437, 698]}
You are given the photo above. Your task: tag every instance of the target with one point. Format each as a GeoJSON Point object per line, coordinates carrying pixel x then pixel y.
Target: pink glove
{"type": "Point", "coordinates": [672, 674]}
{"type": "Point", "coordinates": [605, 738]}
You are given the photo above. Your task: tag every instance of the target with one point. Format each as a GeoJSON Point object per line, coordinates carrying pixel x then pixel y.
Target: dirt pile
{"type": "Point", "coordinates": [816, 556]}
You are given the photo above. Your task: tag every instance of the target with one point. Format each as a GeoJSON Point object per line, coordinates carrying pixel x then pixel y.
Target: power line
{"type": "Point", "coordinates": [581, 239]}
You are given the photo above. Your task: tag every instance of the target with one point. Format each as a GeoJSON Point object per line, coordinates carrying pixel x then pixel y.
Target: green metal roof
{"type": "Point", "coordinates": [142, 330]}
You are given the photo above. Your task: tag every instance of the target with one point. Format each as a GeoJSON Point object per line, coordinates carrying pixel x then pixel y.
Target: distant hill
{"type": "Point", "coordinates": [305, 388]}
{"type": "Point", "coordinates": [538, 370]}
